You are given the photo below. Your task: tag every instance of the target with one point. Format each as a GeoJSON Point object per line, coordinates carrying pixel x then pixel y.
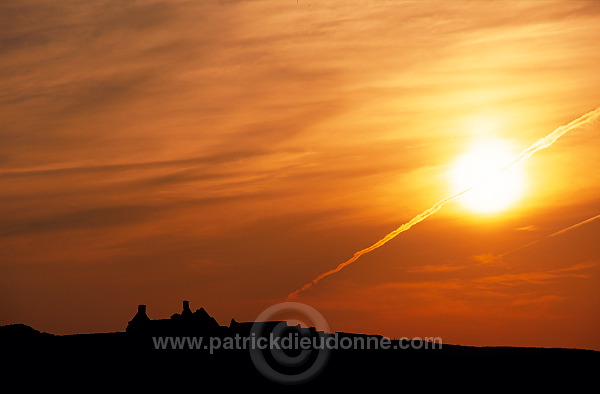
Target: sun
{"type": "Point", "coordinates": [494, 190]}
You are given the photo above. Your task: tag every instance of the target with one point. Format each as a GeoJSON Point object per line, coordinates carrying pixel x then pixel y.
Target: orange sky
{"type": "Point", "coordinates": [229, 152]}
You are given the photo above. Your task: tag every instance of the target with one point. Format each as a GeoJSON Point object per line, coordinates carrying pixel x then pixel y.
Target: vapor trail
{"type": "Point", "coordinates": [540, 144]}
{"type": "Point", "coordinates": [574, 226]}
{"type": "Point", "coordinates": [564, 230]}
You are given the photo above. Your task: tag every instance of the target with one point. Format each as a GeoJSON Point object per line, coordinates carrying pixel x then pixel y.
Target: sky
{"type": "Point", "coordinates": [229, 152]}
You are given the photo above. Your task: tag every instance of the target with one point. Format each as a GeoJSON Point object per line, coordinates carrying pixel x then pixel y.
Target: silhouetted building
{"type": "Point", "coordinates": [140, 317]}
{"type": "Point", "coordinates": [245, 328]}
{"type": "Point", "coordinates": [184, 323]}
{"type": "Point", "coordinates": [200, 323]}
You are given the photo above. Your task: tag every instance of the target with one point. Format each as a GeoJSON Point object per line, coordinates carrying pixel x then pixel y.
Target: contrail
{"type": "Point", "coordinates": [554, 234]}
{"type": "Point", "coordinates": [540, 144]}
{"type": "Point", "coordinates": [564, 230]}
{"type": "Point", "coordinates": [574, 226]}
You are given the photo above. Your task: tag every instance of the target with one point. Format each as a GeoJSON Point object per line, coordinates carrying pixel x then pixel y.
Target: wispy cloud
{"type": "Point", "coordinates": [536, 277]}
{"type": "Point", "coordinates": [257, 141]}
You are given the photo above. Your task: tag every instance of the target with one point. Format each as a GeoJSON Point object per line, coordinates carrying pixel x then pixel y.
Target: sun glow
{"type": "Point", "coordinates": [494, 191]}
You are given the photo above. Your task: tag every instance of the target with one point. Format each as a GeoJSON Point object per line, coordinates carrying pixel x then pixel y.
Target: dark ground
{"type": "Point", "coordinates": [121, 362]}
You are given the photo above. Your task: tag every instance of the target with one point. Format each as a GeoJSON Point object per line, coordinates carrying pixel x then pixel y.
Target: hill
{"type": "Point", "coordinates": [195, 352]}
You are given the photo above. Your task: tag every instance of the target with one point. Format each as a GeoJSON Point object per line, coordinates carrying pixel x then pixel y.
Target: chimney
{"type": "Point", "coordinates": [141, 314]}
{"type": "Point", "coordinates": [186, 308]}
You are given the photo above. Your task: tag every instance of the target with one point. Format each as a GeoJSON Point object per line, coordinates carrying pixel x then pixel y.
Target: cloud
{"type": "Point", "coordinates": [536, 277]}
{"type": "Point", "coordinates": [433, 268]}
{"type": "Point", "coordinates": [257, 141]}
{"type": "Point", "coordinates": [528, 228]}
{"type": "Point", "coordinates": [487, 258]}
